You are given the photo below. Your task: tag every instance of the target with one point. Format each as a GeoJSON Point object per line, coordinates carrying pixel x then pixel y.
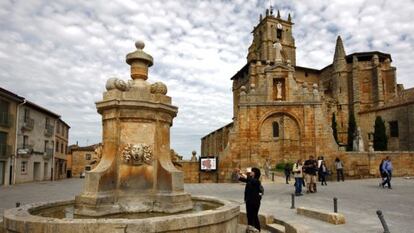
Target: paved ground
{"type": "Point", "coordinates": [358, 201]}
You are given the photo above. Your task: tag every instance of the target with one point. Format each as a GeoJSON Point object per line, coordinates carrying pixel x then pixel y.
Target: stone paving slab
{"type": "Point", "coordinates": [358, 200]}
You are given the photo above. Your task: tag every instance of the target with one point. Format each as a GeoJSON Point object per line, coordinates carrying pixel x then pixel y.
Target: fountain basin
{"type": "Point", "coordinates": [220, 216]}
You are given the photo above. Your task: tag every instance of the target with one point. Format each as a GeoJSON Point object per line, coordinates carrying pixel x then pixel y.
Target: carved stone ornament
{"type": "Point", "coordinates": [159, 88]}
{"type": "Point", "coordinates": [137, 154]}
{"type": "Point", "coordinates": [116, 83]}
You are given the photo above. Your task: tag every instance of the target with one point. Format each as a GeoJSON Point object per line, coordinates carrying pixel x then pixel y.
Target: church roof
{"type": "Point", "coordinates": [364, 56]}
{"type": "Point", "coordinates": [367, 56]}
{"type": "Point", "coordinates": [239, 73]}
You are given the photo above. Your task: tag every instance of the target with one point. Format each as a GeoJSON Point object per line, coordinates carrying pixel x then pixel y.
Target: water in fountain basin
{"type": "Point", "coordinates": [67, 211]}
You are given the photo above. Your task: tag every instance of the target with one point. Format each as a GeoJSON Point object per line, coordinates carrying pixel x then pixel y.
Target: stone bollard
{"type": "Point", "coordinates": [384, 224]}
{"type": "Point", "coordinates": [335, 202]}
{"type": "Point", "coordinates": [293, 201]}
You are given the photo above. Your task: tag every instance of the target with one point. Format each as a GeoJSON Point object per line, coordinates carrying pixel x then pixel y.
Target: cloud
{"type": "Point", "coordinates": [59, 54]}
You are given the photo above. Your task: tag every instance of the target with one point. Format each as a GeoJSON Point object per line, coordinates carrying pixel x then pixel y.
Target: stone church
{"type": "Point", "coordinates": [282, 112]}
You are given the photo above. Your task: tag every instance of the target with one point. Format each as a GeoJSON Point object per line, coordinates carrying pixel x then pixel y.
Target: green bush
{"type": "Point", "coordinates": [380, 136]}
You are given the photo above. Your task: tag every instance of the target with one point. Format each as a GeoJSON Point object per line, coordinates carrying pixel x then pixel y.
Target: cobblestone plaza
{"type": "Point", "coordinates": [358, 200]}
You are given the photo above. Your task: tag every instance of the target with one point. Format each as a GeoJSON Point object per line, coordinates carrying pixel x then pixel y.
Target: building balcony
{"type": "Point", "coordinates": [5, 150]}
{"type": "Point", "coordinates": [6, 119]}
{"type": "Point", "coordinates": [28, 124]}
{"type": "Point", "coordinates": [49, 129]}
{"type": "Point", "coordinates": [48, 154]}
{"type": "Point", "coordinates": [26, 150]}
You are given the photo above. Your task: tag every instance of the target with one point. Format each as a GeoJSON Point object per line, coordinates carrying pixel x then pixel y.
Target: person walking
{"type": "Point", "coordinates": [381, 172]}
{"type": "Point", "coordinates": [339, 169]}
{"type": "Point", "coordinates": [387, 168]}
{"type": "Point", "coordinates": [288, 170]}
{"type": "Point", "coordinates": [323, 172]}
{"type": "Point", "coordinates": [320, 159]}
{"type": "Point", "coordinates": [311, 168]}
{"type": "Point", "coordinates": [298, 174]}
{"type": "Point", "coordinates": [253, 192]}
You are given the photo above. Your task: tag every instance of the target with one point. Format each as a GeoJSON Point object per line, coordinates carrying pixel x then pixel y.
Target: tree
{"type": "Point", "coordinates": [334, 130]}
{"type": "Point", "coordinates": [351, 131]}
{"type": "Point", "coordinates": [380, 136]}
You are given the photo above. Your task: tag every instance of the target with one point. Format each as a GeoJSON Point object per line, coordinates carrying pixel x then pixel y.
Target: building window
{"type": "Point", "coordinates": [88, 156]}
{"type": "Point", "coordinates": [4, 112]}
{"type": "Point", "coordinates": [23, 167]}
{"type": "Point", "coordinates": [25, 142]}
{"type": "Point", "coordinates": [394, 128]}
{"type": "Point", "coordinates": [87, 168]}
{"type": "Point", "coordinates": [57, 146]}
{"type": "Point", "coordinates": [46, 123]}
{"type": "Point", "coordinates": [61, 148]}
{"type": "Point", "coordinates": [275, 126]}
{"type": "Point", "coordinates": [26, 114]}
{"type": "Point", "coordinates": [3, 145]}
{"type": "Point", "coordinates": [58, 128]}
{"type": "Point", "coordinates": [46, 145]}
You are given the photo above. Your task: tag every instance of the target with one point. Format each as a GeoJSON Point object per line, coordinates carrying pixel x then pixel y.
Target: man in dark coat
{"type": "Point", "coordinates": [253, 192]}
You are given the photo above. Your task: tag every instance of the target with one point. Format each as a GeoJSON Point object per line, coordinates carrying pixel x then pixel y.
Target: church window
{"type": "Point", "coordinates": [394, 128]}
{"type": "Point", "coordinates": [275, 129]}
{"type": "Point", "coordinates": [279, 34]}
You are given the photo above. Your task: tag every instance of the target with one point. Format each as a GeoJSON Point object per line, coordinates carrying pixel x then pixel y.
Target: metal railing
{"type": "Point", "coordinates": [49, 130]}
{"type": "Point", "coordinates": [28, 124]}
{"type": "Point", "coordinates": [5, 150]}
{"type": "Point", "coordinates": [25, 150]}
{"type": "Point", "coordinates": [5, 119]}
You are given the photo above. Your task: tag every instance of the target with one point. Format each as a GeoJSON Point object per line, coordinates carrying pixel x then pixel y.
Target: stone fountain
{"type": "Point", "coordinates": [135, 187]}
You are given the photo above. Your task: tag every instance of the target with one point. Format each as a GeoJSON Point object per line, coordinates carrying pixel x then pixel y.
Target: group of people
{"type": "Point", "coordinates": [312, 170]}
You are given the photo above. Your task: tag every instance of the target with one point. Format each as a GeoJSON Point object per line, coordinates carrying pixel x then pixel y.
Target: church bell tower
{"type": "Point", "coordinates": [270, 30]}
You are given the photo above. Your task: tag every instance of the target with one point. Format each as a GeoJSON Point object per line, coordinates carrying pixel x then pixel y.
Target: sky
{"type": "Point", "coordinates": [60, 53]}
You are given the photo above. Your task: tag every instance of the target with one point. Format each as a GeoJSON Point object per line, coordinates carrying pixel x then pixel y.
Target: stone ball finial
{"type": "Point", "coordinates": [252, 86]}
{"type": "Point", "coordinates": [194, 152]}
{"type": "Point", "coordinates": [139, 44]}
{"type": "Point", "coordinates": [159, 88]}
{"type": "Point", "coordinates": [116, 83]}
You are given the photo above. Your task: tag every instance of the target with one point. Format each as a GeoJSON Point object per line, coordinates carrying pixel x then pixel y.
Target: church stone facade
{"type": "Point", "coordinates": [282, 112]}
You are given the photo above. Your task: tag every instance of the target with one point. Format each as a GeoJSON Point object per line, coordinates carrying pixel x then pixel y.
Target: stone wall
{"type": "Point", "coordinates": [401, 112]}
{"type": "Point", "coordinates": [216, 141]}
{"type": "Point", "coordinates": [83, 159]}
{"type": "Point", "coordinates": [357, 165]}
{"type": "Point", "coordinates": [192, 174]}
{"type": "Point", "coordinates": [364, 164]}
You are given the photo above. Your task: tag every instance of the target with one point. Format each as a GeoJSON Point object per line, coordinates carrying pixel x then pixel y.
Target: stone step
{"type": "Point", "coordinates": [276, 228]}
{"type": "Point", "coordinates": [242, 229]}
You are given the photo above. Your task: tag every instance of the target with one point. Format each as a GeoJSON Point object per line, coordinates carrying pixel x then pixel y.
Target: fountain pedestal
{"type": "Point", "coordinates": [135, 173]}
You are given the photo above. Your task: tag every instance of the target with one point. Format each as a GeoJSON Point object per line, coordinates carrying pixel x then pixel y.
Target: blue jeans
{"type": "Point", "coordinates": [298, 185]}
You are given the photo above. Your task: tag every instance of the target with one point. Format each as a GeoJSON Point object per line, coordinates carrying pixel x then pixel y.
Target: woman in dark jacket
{"type": "Point", "coordinates": [323, 172]}
{"type": "Point", "coordinates": [253, 192]}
